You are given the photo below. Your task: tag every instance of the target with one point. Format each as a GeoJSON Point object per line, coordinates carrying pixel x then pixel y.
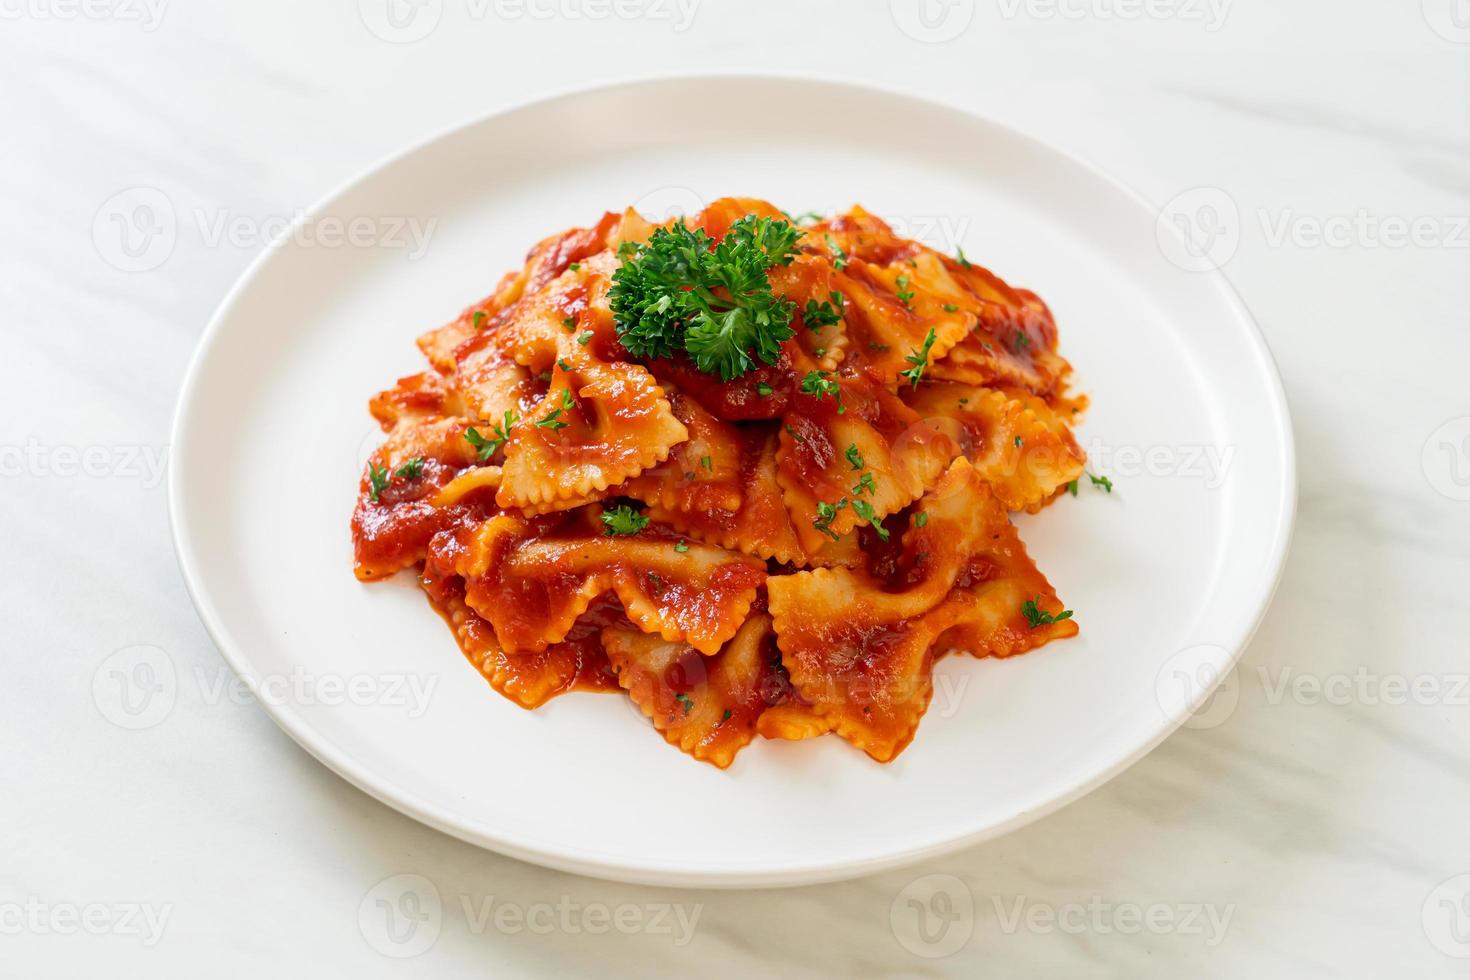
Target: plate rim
{"type": "Point", "coordinates": [591, 863]}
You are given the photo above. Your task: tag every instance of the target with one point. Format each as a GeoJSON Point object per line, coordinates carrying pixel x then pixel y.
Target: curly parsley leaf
{"type": "Point", "coordinates": [412, 469]}
{"type": "Point", "coordinates": [684, 291]}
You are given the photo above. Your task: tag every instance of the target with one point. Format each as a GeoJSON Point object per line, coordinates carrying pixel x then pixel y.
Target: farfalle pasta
{"type": "Point", "coordinates": [753, 473]}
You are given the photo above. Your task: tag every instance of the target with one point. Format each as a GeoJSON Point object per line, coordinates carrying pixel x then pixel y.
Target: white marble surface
{"type": "Point", "coordinates": [1297, 836]}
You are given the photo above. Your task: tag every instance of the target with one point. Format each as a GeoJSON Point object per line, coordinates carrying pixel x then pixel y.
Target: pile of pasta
{"type": "Point", "coordinates": [799, 561]}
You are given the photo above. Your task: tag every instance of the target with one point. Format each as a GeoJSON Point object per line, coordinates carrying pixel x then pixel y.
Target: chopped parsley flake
{"type": "Point", "coordinates": [960, 256]}
{"type": "Point", "coordinates": [707, 463]}
{"type": "Point", "coordinates": [1072, 488]}
{"type": "Point", "coordinates": [485, 448]}
{"type": "Point", "coordinates": [865, 510]}
{"type": "Point", "coordinates": [681, 546]}
{"type": "Point", "coordinates": [919, 359]}
{"type": "Point", "coordinates": [819, 384]}
{"type": "Point", "coordinates": [905, 295]}
{"type": "Point", "coordinates": [1101, 481]}
{"type": "Point", "coordinates": [623, 520]}
{"type": "Point", "coordinates": [825, 314]}
{"type": "Point", "coordinates": [1040, 617]}
{"type": "Point", "coordinates": [951, 308]}
{"type": "Point", "coordinates": [569, 322]}
{"type": "Point", "coordinates": [921, 519]}
{"type": "Point", "coordinates": [865, 485]}
{"type": "Point", "coordinates": [479, 318]}
{"type": "Point", "coordinates": [686, 701]}
{"type": "Point", "coordinates": [378, 478]}
{"type": "Point", "coordinates": [792, 433]}
{"type": "Point", "coordinates": [839, 261]}
{"type": "Point", "coordinates": [826, 514]}
{"type": "Point", "coordinates": [411, 470]}
{"type": "Point", "coordinates": [854, 458]}
{"type": "Point", "coordinates": [584, 338]}
{"type": "Point", "coordinates": [552, 420]}
{"type": "Point", "coordinates": [764, 390]}
{"type": "Point", "coordinates": [575, 266]}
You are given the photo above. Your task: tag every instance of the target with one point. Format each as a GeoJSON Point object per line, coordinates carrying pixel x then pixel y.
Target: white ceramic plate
{"type": "Point", "coordinates": [1169, 575]}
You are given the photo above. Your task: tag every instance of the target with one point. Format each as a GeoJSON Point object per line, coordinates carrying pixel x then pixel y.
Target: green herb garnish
{"type": "Point", "coordinates": [623, 520]}
{"type": "Point", "coordinates": [378, 478]}
{"type": "Point", "coordinates": [1037, 616]}
{"type": "Point", "coordinates": [919, 359]}
{"type": "Point", "coordinates": [682, 291]}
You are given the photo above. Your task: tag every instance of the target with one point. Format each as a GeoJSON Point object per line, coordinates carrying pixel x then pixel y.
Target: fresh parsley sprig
{"type": "Point", "coordinates": [684, 291]}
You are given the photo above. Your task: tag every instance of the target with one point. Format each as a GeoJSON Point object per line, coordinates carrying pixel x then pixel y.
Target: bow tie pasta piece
{"type": "Point", "coordinates": [820, 308]}
{"type": "Point", "coordinates": [861, 652]}
{"type": "Point", "coordinates": [854, 455]}
{"type": "Point", "coordinates": [397, 512]}
{"type": "Point", "coordinates": [893, 311]}
{"type": "Point", "coordinates": [532, 579]}
{"type": "Point", "coordinates": [1018, 444]}
{"type": "Point", "coordinates": [1013, 346]}
{"type": "Point", "coordinates": [706, 706]}
{"type": "Point", "coordinates": [601, 421]}
{"type": "Point", "coordinates": [420, 396]}
{"type": "Point", "coordinates": [702, 474]}
{"type": "Point", "coordinates": [762, 525]}
{"type": "Point", "coordinates": [530, 679]}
